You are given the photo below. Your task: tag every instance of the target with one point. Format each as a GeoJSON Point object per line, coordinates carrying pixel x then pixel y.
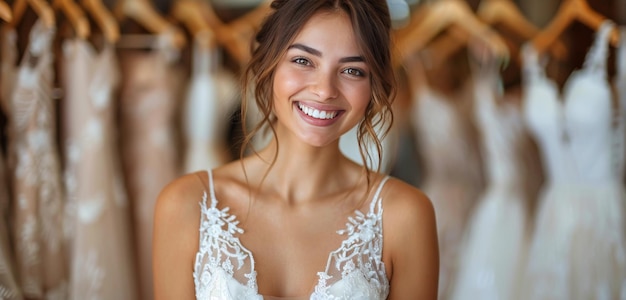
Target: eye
{"type": "Point", "coordinates": [354, 72]}
{"type": "Point", "coordinates": [301, 61]}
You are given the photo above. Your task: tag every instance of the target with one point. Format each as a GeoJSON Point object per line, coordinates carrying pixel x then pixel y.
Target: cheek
{"type": "Point", "coordinates": [361, 96]}
{"type": "Point", "coordinates": [286, 83]}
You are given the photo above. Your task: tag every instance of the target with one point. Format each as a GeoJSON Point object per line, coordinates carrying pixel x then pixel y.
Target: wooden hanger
{"type": "Point", "coordinates": [145, 14]}
{"type": "Point", "coordinates": [5, 11]}
{"type": "Point", "coordinates": [189, 12]}
{"type": "Point", "coordinates": [40, 7]}
{"type": "Point", "coordinates": [75, 15]}
{"type": "Point", "coordinates": [570, 11]}
{"type": "Point", "coordinates": [507, 13]}
{"type": "Point", "coordinates": [438, 17]}
{"type": "Point", "coordinates": [235, 36]}
{"type": "Point", "coordinates": [103, 18]}
{"type": "Point", "coordinates": [491, 12]}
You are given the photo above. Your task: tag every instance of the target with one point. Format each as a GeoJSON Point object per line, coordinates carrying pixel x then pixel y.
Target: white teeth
{"type": "Point", "coordinates": [318, 114]}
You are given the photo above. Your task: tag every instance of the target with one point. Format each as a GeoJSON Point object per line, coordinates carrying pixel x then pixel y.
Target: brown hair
{"type": "Point", "coordinates": [372, 24]}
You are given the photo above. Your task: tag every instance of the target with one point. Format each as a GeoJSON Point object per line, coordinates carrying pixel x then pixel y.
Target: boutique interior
{"type": "Point", "coordinates": [498, 119]}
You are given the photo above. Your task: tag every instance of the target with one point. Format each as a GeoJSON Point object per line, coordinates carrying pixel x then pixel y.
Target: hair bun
{"type": "Point", "coordinates": [277, 4]}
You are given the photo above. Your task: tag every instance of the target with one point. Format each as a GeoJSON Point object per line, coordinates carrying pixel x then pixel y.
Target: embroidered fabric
{"type": "Point", "coordinates": [98, 215]}
{"type": "Point", "coordinates": [38, 194]}
{"type": "Point", "coordinates": [225, 269]}
{"type": "Point", "coordinates": [577, 250]}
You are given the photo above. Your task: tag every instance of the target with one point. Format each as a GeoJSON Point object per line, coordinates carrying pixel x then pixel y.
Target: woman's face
{"type": "Point", "coordinates": [322, 84]}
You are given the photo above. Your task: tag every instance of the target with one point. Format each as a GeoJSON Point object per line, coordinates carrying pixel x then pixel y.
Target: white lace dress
{"type": "Point", "coordinates": [577, 249]}
{"type": "Point", "coordinates": [495, 242]}
{"type": "Point", "coordinates": [224, 269]}
{"type": "Point", "coordinates": [101, 261]}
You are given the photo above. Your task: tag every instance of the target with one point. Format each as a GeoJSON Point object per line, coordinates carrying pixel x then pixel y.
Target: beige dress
{"type": "Point", "coordinates": [149, 101]}
{"type": "Point", "coordinates": [38, 196]}
{"type": "Point", "coordinates": [102, 265]}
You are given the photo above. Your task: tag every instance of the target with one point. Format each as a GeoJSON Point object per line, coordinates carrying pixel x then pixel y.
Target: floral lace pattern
{"type": "Point", "coordinates": [224, 268]}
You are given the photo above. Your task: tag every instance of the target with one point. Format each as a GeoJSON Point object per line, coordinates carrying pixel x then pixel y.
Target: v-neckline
{"type": "Point", "coordinates": [354, 224]}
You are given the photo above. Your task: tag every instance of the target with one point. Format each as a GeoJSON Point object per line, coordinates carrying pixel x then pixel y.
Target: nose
{"type": "Point", "coordinates": [325, 86]}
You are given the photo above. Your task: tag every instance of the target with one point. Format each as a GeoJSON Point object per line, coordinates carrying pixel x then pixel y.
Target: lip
{"type": "Point", "coordinates": [318, 122]}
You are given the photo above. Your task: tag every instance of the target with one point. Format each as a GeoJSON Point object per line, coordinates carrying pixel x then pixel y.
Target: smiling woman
{"type": "Point", "coordinates": [297, 218]}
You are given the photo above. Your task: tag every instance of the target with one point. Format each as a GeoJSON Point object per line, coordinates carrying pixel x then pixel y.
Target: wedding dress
{"type": "Point", "coordinates": [224, 269]}
{"type": "Point", "coordinates": [495, 242]}
{"type": "Point", "coordinates": [37, 189]}
{"type": "Point", "coordinates": [101, 257]}
{"type": "Point", "coordinates": [577, 249]}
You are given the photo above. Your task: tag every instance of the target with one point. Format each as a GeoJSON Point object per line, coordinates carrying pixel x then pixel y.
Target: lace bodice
{"type": "Point", "coordinates": [575, 133]}
{"type": "Point", "coordinates": [225, 269]}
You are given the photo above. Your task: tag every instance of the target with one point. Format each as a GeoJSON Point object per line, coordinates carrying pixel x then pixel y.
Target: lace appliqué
{"type": "Point", "coordinates": [356, 267]}
{"type": "Point", "coordinates": [221, 254]}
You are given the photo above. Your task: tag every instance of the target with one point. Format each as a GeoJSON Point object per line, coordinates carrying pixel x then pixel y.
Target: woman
{"type": "Point", "coordinates": [298, 219]}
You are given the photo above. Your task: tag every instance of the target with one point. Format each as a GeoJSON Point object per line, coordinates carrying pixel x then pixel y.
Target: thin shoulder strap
{"type": "Point", "coordinates": [377, 201]}
{"type": "Point", "coordinates": [595, 61]}
{"type": "Point", "coordinates": [211, 188]}
{"type": "Point", "coordinates": [530, 62]}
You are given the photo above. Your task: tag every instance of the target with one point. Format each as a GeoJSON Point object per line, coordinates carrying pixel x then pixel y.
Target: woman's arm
{"type": "Point", "coordinates": [175, 238]}
{"type": "Point", "coordinates": [410, 240]}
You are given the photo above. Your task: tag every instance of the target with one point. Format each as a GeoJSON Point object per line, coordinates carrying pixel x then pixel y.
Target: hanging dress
{"type": "Point", "coordinates": [102, 265]}
{"type": "Point", "coordinates": [208, 107]}
{"type": "Point", "coordinates": [149, 103]}
{"type": "Point", "coordinates": [9, 287]}
{"type": "Point", "coordinates": [38, 195]}
{"type": "Point", "coordinates": [452, 176]}
{"type": "Point", "coordinates": [494, 244]}
{"type": "Point", "coordinates": [577, 248]}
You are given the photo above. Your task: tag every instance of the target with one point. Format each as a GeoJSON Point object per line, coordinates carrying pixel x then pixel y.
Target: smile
{"type": "Point", "coordinates": [316, 113]}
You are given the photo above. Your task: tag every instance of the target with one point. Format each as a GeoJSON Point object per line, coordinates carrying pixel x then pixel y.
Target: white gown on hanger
{"type": "Point", "coordinates": [452, 173]}
{"type": "Point", "coordinates": [495, 241]}
{"type": "Point", "coordinates": [209, 104]}
{"type": "Point", "coordinates": [577, 250]}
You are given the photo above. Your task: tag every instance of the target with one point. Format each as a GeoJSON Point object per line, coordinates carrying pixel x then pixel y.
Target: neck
{"type": "Point", "coordinates": [301, 172]}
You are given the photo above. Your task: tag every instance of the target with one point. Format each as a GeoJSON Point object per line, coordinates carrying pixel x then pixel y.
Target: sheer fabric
{"type": "Point", "coordinates": [494, 245]}
{"type": "Point", "coordinates": [148, 105]}
{"type": "Point", "coordinates": [38, 194]}
{"type": "Point", "coordinates": [577, 250]}
{"type": "Point", "coordinates": [225, 269]}
{"type": "Point", "coordinates": [102, 265]}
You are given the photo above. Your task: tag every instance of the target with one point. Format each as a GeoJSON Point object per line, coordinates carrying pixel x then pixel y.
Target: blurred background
{"type": "Point", "coordinates": [509, 116]}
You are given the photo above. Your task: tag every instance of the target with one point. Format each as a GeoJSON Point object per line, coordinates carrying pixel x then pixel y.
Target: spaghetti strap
{"type": "Point", "coordinates": [211, 187]}
{"type": "Point", "coordinates": [376, 201]}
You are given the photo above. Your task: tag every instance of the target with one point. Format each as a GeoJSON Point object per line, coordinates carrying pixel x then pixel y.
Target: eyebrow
{"type": "Point", "coordinates": [317, 53]}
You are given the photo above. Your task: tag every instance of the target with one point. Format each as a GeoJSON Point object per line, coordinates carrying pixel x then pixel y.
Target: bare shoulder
{"type": "Point", "coordinates": [182, 196]}
{"type": "Point", "coordinates": [410, 241]}
{"type": "Point", "coordinates": [406, 203]}
{"type": "Point", "coordinates": [176, 236]}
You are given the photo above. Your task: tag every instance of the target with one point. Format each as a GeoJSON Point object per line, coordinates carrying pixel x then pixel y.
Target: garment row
{"type": "Point", "coordinates": [80, 174]}
{"type": "Point", "coordinates": [528, 187]}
